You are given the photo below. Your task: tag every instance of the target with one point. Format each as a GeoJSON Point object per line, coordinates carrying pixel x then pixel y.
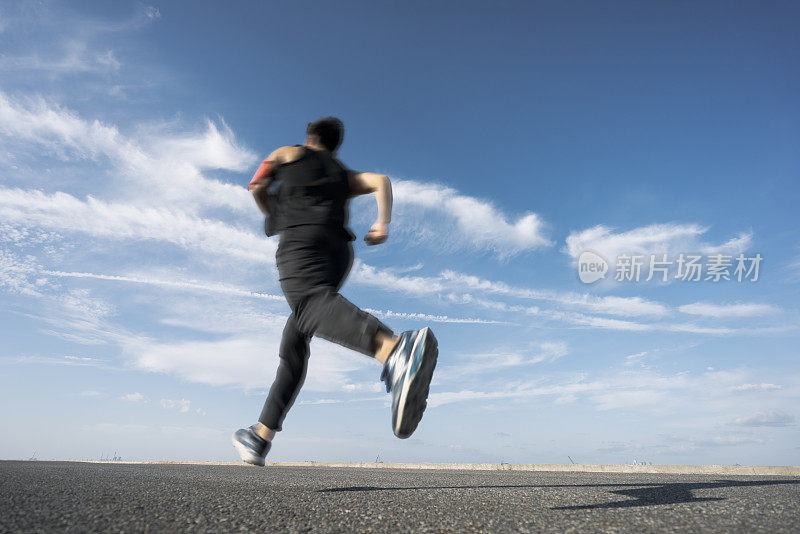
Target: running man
{"type": "Point", "coordinates": [304, 192]}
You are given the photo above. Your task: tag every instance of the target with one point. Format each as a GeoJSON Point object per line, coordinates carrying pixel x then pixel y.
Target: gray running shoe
{"type": "Point", "coordinates": [407, 372]}
{"type": "Point", "coordinates": [250, 446]}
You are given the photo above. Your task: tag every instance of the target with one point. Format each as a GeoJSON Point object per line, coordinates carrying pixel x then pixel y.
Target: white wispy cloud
{"type": "Point", "coordinates": [742, 388]}
{"type": "Point", "coordinates": [624, 306]}
{"type": "Point", "coordinates": [188, 285]}
{"type": "Point", "coordinates": [708, 309]}
{"type": "Point", "coordinates": [75, 58]}
{"type": "Point", "coordinates": [67, 42]}
{"type": "Point", "coordinates": [152, 12]}
{"type": "Point", "coordinates": [636, 359]}
{"type": "Point", "coordinates": [245, 361]}
{"type": "Point", "coordinates": [628, 399]}
{"type": "Point", "coordinates": [368, 275]}
{"type": "Point", "coordinates": [227, 289]}
{"type": "Point", "coordinates": [461, 288]}
{"type": "Point", "coordinates": [607, 323]}
{"type": "Point", "coordinates": [108, 59]}
{"type": "Point", "coordinates": [72, 314]}
{"type": "Point", "coordinates": [80, 302]}
{"type": "Point", "coordinates": [646, 390]}
{"type": "Point", "coordinates": [156, 167]}
{"type": "Point", "coordinates": [320, 401]}
{"type": "Point", "coordinates": [466, 221]}
{"type": "Point", "coordinates": [182, 405]}
{"type": "Point", "coordinates": [125, 222]}
{"type": "Point", "coordinates": [671, 239]}
{"type": "Point", "coordinates": [765, 418]}
{"type": "Point", "coordinates": [346, 399]}
{"type": "Point", "coordinates": [242, 361]}
{"type": "Point", "coordinates": [55, 360]}
{"type": "Point", "coordinates": [389, 314]}
{"type": "Point", "coordinates": [500, 360]}
{"type": "Point", "coordinates": [135, 398]}
{"type": "Point", "coordinates": [204, 288]}
{"type": "Point", "coordinates": [371, 386]}
{"type": "Point", "coordinates": [670, 443]}
{"type": "Point", "coordinates": [167, 431]}
{"type": "Point", "coordinates": [15, 273]}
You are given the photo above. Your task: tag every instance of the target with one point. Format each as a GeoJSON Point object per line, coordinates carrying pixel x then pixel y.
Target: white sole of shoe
{"type": "Point", "coordinates": [421, 338]}
{"type": "Point", "coordinates": [245, 454]}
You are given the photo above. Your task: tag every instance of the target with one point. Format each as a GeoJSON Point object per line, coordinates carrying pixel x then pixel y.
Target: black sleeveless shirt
{"type": "Point", "coordinates": [312, 190]}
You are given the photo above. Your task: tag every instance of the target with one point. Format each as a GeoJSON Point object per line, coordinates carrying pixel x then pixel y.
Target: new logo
{"type": "Point", "coordinates": [591, 267]}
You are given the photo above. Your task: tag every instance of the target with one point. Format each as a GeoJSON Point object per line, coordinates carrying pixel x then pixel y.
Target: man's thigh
{"type": "Point", "coordinates": [310, 259]}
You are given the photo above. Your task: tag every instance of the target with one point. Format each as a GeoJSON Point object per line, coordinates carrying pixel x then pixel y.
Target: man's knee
{"type": "Point", "coordinates": [312, 308]}
{"type": "Point", "coordinates": [294, 349]}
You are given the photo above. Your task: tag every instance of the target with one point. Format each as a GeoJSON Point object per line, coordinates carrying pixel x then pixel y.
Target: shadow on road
{"type": "Point", "coordinates": [651, 494]}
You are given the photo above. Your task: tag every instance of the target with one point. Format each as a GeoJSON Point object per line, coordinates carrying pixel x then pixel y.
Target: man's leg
{"type": "Point", "coordinates": [254, 443]}
{"type": "Point", "coordinates": [385, 343]}
{"type": "Point", "coordinates": [407, 368]}
{"type": "Point", "coordinates": [294, 354]}
{"type": "Point", "coordinates": [291, 374]}
{"type": "Point", "coordinates": [327, 314]}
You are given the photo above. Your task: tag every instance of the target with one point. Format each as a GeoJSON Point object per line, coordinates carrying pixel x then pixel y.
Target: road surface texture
{"type": "Point", "coordinates": [108, 497]}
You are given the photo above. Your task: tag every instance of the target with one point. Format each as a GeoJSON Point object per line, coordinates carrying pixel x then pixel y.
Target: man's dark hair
{"type": "Point", "coordinates": [329, 132]}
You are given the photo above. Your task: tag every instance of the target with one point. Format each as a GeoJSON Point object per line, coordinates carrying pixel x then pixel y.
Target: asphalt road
{"type": "Point", "coordinates": [82, 497]}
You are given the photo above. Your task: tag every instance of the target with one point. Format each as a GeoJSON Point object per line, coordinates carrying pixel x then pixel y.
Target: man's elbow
{"type": "Point", "coordinates": [383, 182]}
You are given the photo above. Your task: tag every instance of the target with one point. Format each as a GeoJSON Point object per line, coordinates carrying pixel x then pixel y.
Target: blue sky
{"type": "Point", "coordinates": [141, 311]}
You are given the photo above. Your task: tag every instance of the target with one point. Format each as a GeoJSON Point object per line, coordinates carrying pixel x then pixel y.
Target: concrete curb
{"type": "Point", "coordinates": [760, 470]}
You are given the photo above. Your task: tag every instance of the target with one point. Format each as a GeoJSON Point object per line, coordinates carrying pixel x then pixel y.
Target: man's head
{"type": "Point", "coordinates": [326, 133]}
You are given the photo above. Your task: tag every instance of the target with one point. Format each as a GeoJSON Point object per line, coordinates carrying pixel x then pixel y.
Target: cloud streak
{"type": "Point", "coordinates": [191, 285]}
{"type": "Point", "coordinates": [671, 239]}
{"type": "Point", "coordinates": [124, 222]}
{"type": "Point", "coordinates": [465, 220]}
{"type": "Point", "coordinates": [766, 418]}
{"type": "Point", "coordinates": [707, 309]}
{"type": "Point", "coordinates": [136, 398]}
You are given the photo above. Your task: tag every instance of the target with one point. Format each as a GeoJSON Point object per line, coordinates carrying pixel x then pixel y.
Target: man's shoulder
{"type": "Point", "coordinates": [287, 154]}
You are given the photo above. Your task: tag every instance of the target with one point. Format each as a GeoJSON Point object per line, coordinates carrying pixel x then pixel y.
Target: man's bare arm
{"type": "Point", "coordinates": [363, 183]}
{"type": "Point", "coordinates": [263, 177]}
{"type": "Point", "coordinates": [261, 196]}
